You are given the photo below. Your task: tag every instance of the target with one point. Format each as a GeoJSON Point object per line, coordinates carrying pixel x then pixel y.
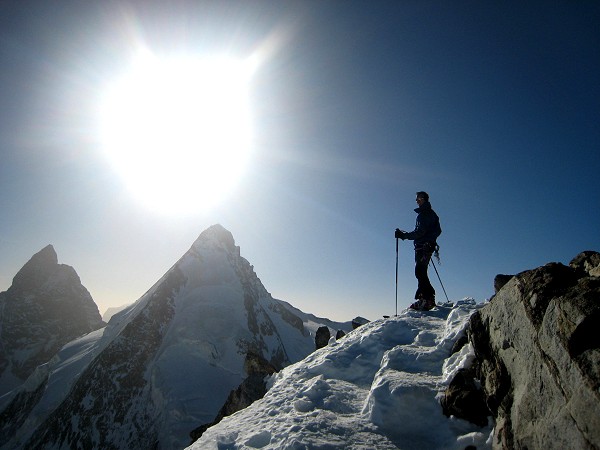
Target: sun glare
{"type": "Point", "coordinates": [178, 130]}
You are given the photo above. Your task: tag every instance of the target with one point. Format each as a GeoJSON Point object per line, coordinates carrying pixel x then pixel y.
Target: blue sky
{"type": "Point", "coordinates": [491, 107]}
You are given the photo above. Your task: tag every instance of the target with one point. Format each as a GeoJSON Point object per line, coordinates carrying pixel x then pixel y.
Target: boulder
{"type": "Point", "coordinates": [537, 352]}
{"type": "Point", "coordinates": [322, 337]}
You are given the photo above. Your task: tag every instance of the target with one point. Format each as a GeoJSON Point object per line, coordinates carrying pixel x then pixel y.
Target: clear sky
{"type": "Point", "coordinates": [491, 107]}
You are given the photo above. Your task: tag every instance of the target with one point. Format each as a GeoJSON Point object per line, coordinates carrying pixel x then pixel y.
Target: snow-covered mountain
{"type": "Point", "coordinates": [164, 365]}
{"type": "Point", "coordinates": [45, 307]}
{"type": "Point", "coordinates": [112, 311]}
{"type": "Point", "coordinates": [377, 388]}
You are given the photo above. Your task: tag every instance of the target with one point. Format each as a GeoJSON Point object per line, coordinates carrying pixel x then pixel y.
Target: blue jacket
{"type": "Point", "coordinates": [427, 228]}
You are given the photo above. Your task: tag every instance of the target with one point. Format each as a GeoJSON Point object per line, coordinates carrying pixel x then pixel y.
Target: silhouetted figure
{"type": "Point", "coordinates": [426, 231]}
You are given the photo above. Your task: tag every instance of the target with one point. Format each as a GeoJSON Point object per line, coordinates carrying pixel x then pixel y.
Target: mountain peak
{"type": "Point", "coordinates": [45, 308]}
{"type": "Point", "coordinates": [174, 357]}
{"type": "Point", "coordinates": [46, 256]}
{"type": "Point", "coordinates": [38, 268]}
{"type": "Point", "coordinates": [217, 234]}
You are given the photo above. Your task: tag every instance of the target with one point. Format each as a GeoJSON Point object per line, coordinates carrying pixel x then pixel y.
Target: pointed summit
{"type": "Point", "coordinates": [46, 254]}
{"type": "Point", "coordinates": [44, 308]}
{"type": "Point", "coordinates": [216, 234]}
{"type": "Point", "coordinates": [37, 269]}
{"type": "Point", "coordinates": [167, 363]}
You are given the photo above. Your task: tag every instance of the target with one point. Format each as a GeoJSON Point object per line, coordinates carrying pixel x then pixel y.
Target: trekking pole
{"type": "Point", "coordinates": [438, 275]}
{"type": "Point", "coordinates": [396, 276]}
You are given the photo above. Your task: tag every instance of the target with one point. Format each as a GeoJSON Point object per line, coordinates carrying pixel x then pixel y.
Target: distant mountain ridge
{"type": "Point", "coordinates": [165, 364]}
{"type": "Point", "coordinates": [112, 311]}
{"type": "Point", "coordinates": [45, 307]}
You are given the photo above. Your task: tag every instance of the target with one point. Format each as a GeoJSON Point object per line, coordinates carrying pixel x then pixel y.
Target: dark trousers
{"type": "Point", "coordinates": [424, 289]}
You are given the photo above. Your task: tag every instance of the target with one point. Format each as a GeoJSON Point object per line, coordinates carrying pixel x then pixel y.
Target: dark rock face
{"type": "Point", "coordinates": [459, 344]}
{"type": "Point", "coordinates": [587, 262]}
{"type": "Point", "coordinates": [500, 280]}
{"type": "Point", "coordinates": [289, 317]}
{"type": "Point", "coordinates": [252, 388]}
{"type": "Point", "coordinates": [100, 401]}
{"type": "Point", "coordinates": [17, 411]}
{"type": "Point", "coordinates": [538, 357]}
{"type": "Point", "coordinates": [358, 321]}
{"type": "Point", "coordinates": [45, 308]}
{"type": "Point", "coordinates": [464, 399]}
{"type": "Point", "coordinates": [322, 337]}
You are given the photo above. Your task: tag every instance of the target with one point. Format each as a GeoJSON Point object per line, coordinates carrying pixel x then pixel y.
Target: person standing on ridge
{"type": "Point", "coordinates": [425, 234]}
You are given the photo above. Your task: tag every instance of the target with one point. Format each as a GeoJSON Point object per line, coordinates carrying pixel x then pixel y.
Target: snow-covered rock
{"type": "Point", "coordinates": [45, 307]}
{"type": "Point", "coordinates": [164, 365]}
{"type": "Point", "coordinates": [378, 387]}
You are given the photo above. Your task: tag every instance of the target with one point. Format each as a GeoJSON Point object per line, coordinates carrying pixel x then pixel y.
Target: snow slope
{"type": "Point", "coordinates": [162, 366]}
{"type": "Point", "coordinates": [378, 387]}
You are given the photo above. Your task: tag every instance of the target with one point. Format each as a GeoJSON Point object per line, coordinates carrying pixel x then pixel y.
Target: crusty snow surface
{"type": "Point", "coordinates": [378, 387]}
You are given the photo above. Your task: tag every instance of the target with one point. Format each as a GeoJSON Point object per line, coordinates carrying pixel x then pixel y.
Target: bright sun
{"type": "Point", "coordinates": [178, 130]}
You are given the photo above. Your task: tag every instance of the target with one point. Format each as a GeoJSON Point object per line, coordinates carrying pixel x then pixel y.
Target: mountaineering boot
{"type": "Point", "coordinates": [428, 304]}
{"type": "Point", "coordinates": [423, 304]}
{"type": "Point", "coordinates": [417, 306]}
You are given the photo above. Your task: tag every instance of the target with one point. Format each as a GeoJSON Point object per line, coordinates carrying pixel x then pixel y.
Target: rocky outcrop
{"type": "Point", "coordinates": [537, 352]}
{"type": "Point", "coordinates": [114, 388]}
{"type": "Point", "coordinates": [358, 321]}
{"type": "Point", "coordinates": [322, 337]}
{"type": "Point", "coordinates": [253, 388]}
{"type": "Point", "coordinates": [465, 399]}
{"type": "Point", "coordinates": [45, 307]}
{"type": "Point", "coordinates": [500, 280]}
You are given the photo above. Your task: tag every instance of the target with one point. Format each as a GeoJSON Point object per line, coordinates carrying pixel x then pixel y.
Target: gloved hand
{"type": "Point", "coordinates": [399, 234]}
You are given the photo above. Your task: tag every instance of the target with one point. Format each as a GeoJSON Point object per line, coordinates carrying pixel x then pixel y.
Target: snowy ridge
{"type": "Point", "coordinates": [45, 308]}
{"type": "Point", "coordinates": [312, 322]}
{"type": "Point", "coordinates": [164, 365]}
{"type": "Point", "coordinates": [378, 387]}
